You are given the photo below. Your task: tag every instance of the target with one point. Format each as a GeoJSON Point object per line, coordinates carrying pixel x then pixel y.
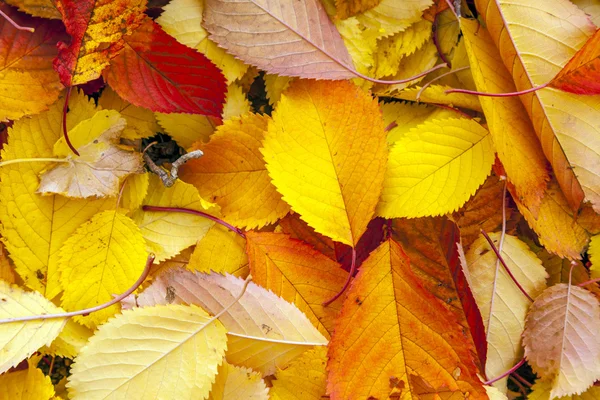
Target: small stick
{"type": "Point", "coordinates": [169, 180]}
{"type": "Point", "coordinates": [17, 26]}
{"type": "Point", "coordinates": [505, 374]}
{"type": "Point", "coordinates": [347, 283]}
{"type": "Point", "coordinates": [510, 94]}
{"type": "Point", "coordinates": [64, 121]}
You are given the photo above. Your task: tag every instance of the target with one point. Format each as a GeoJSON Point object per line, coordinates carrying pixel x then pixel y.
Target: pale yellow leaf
{"type": "Point", "coordinates": [162, 352]}
{"type": "Point", "coordinates": [541, 391]}
{"type": "Point", "coordinates": [360, 45]}
{"type": "Point", "coordinates": [222, 251]}
{"type": "Point", "coordinates": [70, 340]}
{"type": "Point", "coordinates": [238, 383]}
{"type": "Point", "coordinates": [495, 394]}
{"type": "Point", "coordinates": [30, 384]}
{"type": "Point", "coordinates": [135, 190]}
{"type": "Point", "coordinates": [304, 379]}
{"type": "Point", "coordinates": [140, 121]}
{"type": "Point", "coordinates": [236, 103]}
{"type": "Point", "coordinates": [591, 8]}
{"type": "Point", "coordinates": [561, 339]}
{"type": "Point", "coordinates": [187, 129]}
{"type": "Point", "coordinates": [168, 233]}
{"type": "Point", "coordinates": [392, 16]}
{"type": "Point", "coordinates": [275, 85]}
{"type": "Point", "coordinates": [436, 94]}
{"type": "Point", "coordinates": [18, 340]}
{"type": "Point", "coordinates": [503, 306]}
{"type": "Point", "coordinates": [264, 330]}
{"type": "Point", "coordinates": [405, 116]}
{"type": "Point", "coordinates": [434, 168]}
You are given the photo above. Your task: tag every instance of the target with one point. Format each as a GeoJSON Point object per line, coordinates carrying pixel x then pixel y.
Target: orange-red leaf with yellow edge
{"type": "Point", "coordinates": [581, 75]}
{"type": "Point", "coordinates": [392, 337]}
{"type": "Point", "coordinates": [28, 83]}
{"type": "Point", "coordinates": [149, 73]}
{"type": "Point", "coordinates": [97, 28]}
{"type": "Point", "coordinates": [326, 153]}
{"type": "Point", "coordinates": [299, 274]}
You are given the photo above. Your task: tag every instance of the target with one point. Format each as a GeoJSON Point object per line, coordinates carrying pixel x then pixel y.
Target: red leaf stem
{"type": "Point", "coordinates": [64, 121]}
{"type": "Point", "coordinates": [510, 94]}
{"type": "Point", "coordinates": [505, 374]}
{"type": "Point", "coordinates": [350, 275]}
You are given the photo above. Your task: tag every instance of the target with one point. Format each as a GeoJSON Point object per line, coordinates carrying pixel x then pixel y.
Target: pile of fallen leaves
{"type": "Point", "coordinates": [299, 199]}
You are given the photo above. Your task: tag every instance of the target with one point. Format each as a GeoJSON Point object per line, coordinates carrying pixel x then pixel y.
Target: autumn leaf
{"type": "Point", "coordinates": [70, 340]}
{"type": "Point", "coordinates": [541, 391]}
{"type": "Point", "coordinates": [304, 379]}
{"type": "Point", "coordinates": [30, 384]}
{"type": "Point", "coordinates": [560, 339]}
{"type": "Point", "coordinates": [37, 8]}
{"type": "Point", "coordinates": [238, 383]}
{"type": "Point", "coordinates": [399, 118]}
{"type": "Point", "coordinates": [97, 30]}
{"type": "Point", "coordinates": [145, 74]}
{"type": "Point", "coordinates": [222, 251]}
{"type": "Point", "coordinates": [395, 337]}
{"type": "Point", "coordinates": [391, 16]}
{"type": "Point", "coordinates": [28, 83]}
{"type": "Point", "coordinates": [436, 94]}
{"type": "Point", "coordinates": [348, 8]}
{"type": "Point", "coordinates": [343, 168]}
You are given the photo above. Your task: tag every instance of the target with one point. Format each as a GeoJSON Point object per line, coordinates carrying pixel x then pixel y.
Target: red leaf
{"type": "Point", "coordinates": [155, 71]}
{"type": "Point", "coordinates": [368, 242]}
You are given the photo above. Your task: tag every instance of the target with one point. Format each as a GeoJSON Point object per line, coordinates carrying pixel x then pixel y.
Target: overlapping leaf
{"type": "Point", "coordinates": [304, 379]}
{"type": "Point", "coordinates": [222, 251]}
{"type": "Point", "coordinates": [30, 384]}
{"type": "Point", "coordinates": [238, 383]}
{"type": "Point", "coordinates": [582, 73]}
{"type": "Point", "coordinates": [37, 8]}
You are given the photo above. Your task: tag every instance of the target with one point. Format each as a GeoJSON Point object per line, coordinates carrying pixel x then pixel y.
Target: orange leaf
{"type": "Point", "coordinates": [298, 229]}
{"type": "Point", "coordinates": [581, 75]}
{"type": "Point", "coordinates": [393, 336]}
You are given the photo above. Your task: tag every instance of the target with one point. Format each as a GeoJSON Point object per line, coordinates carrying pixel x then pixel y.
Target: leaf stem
{"type": "Point", "coordinates": [505, 374]}
{"type": "Point", "coordinates": [350, 275]}
{"type": "Point", "coordinates": [17, 26]}
{"type": "Point", "coordinates": [510, 94]}
{"type": "Point", "coordinates": [87, 311]}
{"type": "Point", "coordinates": [437, 78]}
{"type": "Point", "coordinates": [29, 160]}
{"type": "Point", "coordinates": [487, 237]}
{"type": "Point", "coordinates": [436, 41]}
{"type": "Point", "coordinates": [596, 280]}
{"type": "Point", "coordinates": [406, 80]}
{"type": "Point", "coordinates": [195, 212]}
{"type": "Point", "coordinates": [64, 121]}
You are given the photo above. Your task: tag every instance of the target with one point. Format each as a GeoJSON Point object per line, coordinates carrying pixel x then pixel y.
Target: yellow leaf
{"type": "Point", "coordinates": [561, 339]}
{"type": "Point", "coordinates": [238, 383]}
{"type": "Point", "coordinates": [495, 394]}
{"type": "Point", "coordinates": [236, 103]}
{"type": "Point", "coordinates": [503, 306]}
{"type": "Point", "coordinates": [182, 19]}
{"type": "Point", "coordinates": [103, 258]}
{"type": "Point", "coordinates": [180, 260]}
{"type": "Point", "coordinates": [19, 340]}
{"type": "Point", "coordinates": [541, 391]}
{"type": "Point", "coordinates": [37, 8]}
{"type": "Point", "coordinates": [187, 129]}
{"type": "Point", "coordinates": [232, 173]}
{"type": "Point", "coordinates": [436, 94]}
{"type": "Point", "coordinates": [594, 254]}
{"type": "Point", "coordinates": [222, 251]}
{"type": "Point", "coordinates": [348, 8]}
{"type": "Point", "coordinates": [140, 121]}
{"type": "Point", "coordinates": [360, 45]}
{"type": "Point", "coordinates": [304, 379]}
{"type": "Point", "coordinates": [326, 154]}
{"type": "Point", "coordinates": [170, 353]}
{"type": "Point", "coordinates": [265, 331]}
{"type": "Point", "coordinates": [34, 226]}
{"type": "Point", "coordinates": [167, 233]}
{"type": "Point", "coordinates": [591, 8]}
{"type": "Point", "coordinates": [7, 273]}
{"type": "Point", "coordinates": [405, 116]}
{"type": "Point", "coordinates": [135, 191]}
{"type": "Point", "coordinates": [392, 16]}
{"type": "Point", "coordinates": [70, 340]}
{"type": "Point", "coordinates": [275, 85]}
{"type": "Point", "coordinates": [30, 384]}
{"type": "Point", "coordinates": [435, 168]}
{"type": "Point", "coordinates": [100, 165]}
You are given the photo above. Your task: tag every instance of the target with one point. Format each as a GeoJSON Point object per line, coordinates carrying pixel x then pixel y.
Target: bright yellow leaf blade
{"type": "Point", "coordinates": [594, 254]}
{"type": "Point", "coordinates": [222, 251]}
{"type": "Point", "coordinates": [265, 331]}
{"type": "Point", "coordinates": [30, 384]}
{"type": "Point", "coordinates": [103, 258]}
{"type": "Point", "coordinates": [392, 16]}
{"type": "Point", "coordinates": [436, 94]}
{"type": "Point", "coordinates": [503, 306]}
{"type": "Point", "coordinates": [18, 340]}
{"type": "Point", "coordinates": [135, 190]}
{"type": "Point", "coordinates": [435, 168]}
{"type": "Point", "coordinates": [512, 132]}
{"type": "Point", "coordinates": [187, 129]}
{"type": "Point", "coordinates": [326, 153]}
{"type": "Point", "coordinates": [34, 226]}
{"type": "Point", "coordinates": [232, 173]}
{"type": "Point", "coordinates": [399, 118]}
{"type": "Point", "coordinates": [70, 340]}
{"type": "Point", "coordinates": [168, 233]}
{"type": "Point", "coordinates": [140, 121]}
{"type": "Point", "coordinates": [306, 372]}
{"type": "Point", "coordinates": [238, 383]}
{"type": "Point", "coordinates": [165, 352]}
{"type": "Point", "coordinates": [565, 123]}
{"type": "Point", "coordinates": [561, 339]}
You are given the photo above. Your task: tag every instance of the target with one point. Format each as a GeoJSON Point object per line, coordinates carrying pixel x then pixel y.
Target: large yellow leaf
{"type": "Point", "coordinates": [103, 258]}
{"type": "Point", "coordinates": [34, 226]}
{"type": "Point", "coordinates": [512, 132]}
{"type": "Point", "coordinates": [561, 339]}
{"type": "Point", "coordinates": [238, 383]}
{"type": "Point", "coordinates": [503, 306]}
{"type": "Point", "coordinates": [265, 331]}
{"type": "Point", "coordinates": [304, 379]}
{"type": "Point", "coordinates": [222, 251]}
{"type": "Point", "coordinates": [140, 121]}
{"type": "Point", "coordinates": [232, 173]}
{"type": "Point", "coordinates": [30, 384]}
{"type": "Point", "coordinates": [393, 337]}
{"type": "Point", "coordinates": [567, 124]}
{"type": "Point", "coordinates": [161, 352]}
{"type": "Point", "coordinates": [434, 168]}
{"type": "Point", "coordinates": [167, 233]}
{"type": "Point", "coordinates": [402, 117]}
{"type": "Point", "coordinates": [326, 153]}
{"type": "Point", "coordinates": [299, 274]}
{"type": "Point", "coordinates": [18, 340]}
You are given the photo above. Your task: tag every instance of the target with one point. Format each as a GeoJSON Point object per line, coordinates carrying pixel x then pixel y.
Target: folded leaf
{"type": "Point", "coordinates": [30, 384]}
{"type": "Point", "coordinates": [232, 173]}
{"type": "Point", "coordinates": [285, 37]}
{"type": "Point", "coordinates": [19, 340]}
{"type": "Point", "coordinates": [146, 74]}
{"type": "Point", "coordinates": [581, 75]}
{"type": "Point", "coordinates": [304, 379]}
{"type": "Point", "coordinates": [561, 339]}
{"type": "Point", "coordinates": [97, 29]}
{"type": "Point", "coordinates": [173, 342]}
{"type": "Point", "coordinates": [326, 154]}
{"type": "Point", "coordinates": [393, 337]}
{"type": "Point", "coordinates": [435, 168]}
{"type": "Point", "coordinates": [238, 383]}
{"type": "Point", "coordinates": [28, 83]}
{"type": "Point", "coordinates": [264, 330]}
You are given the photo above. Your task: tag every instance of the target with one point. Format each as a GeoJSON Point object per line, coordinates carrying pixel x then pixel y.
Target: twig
{"type": "Point", "coordinates": [405, 80]}
{"type": "Point", "coordinates": [596, 280]}
{"type": "Point", "coordinates": [509, 94]}
{"type": "Point", "coordinates": [87, 311]}
{"type": "Point", "coordinates": [195, 212]}
{"type": "Point", "coordinates": [348, 280]}
{"type": "Point", "coordinates": [169, 180]}
{"type": "Point", "coordinates": [29, 160]}
{"type": "Point", "coordinates": [425, 86]}
{"type": "Point", "coordinates": [519, 385]}
{"type": "Point", "coordinates": [17, 26]}
{"type": "Point", "coordinates": [505, 374]}
{"type": "Point", "coordinates": [64, 121]}
{"type": "Point", "coordinates": [521, 379]}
